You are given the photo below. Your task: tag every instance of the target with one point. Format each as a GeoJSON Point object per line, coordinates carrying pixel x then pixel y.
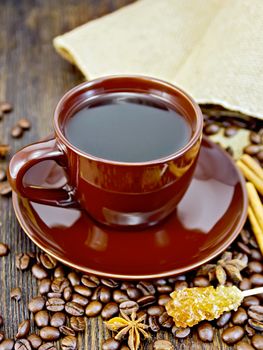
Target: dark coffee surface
{"type": "Point", "coordinates": [128, 127]}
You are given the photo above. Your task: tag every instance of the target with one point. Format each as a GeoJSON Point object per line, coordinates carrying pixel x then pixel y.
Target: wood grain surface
{"type": "Point", "coordinates": [33, 78]}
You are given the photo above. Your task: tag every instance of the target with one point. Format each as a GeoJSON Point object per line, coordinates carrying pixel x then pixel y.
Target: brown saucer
{"type": "Point", "coordinates": [207, 220]}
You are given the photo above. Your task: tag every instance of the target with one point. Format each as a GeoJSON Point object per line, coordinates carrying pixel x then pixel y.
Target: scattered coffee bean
{"type": "Point", "coordinates": [256, 279]}
{"type": "Point", "coordinates": [249, 330]}
{"type": "Point", "coordinates": [162, 344]}
{"type": "Point", "coordinates": [163, 299]}
{"type": "Point", "coordinates": [257, 325]}
{"type": "Point", "coordinates": [59, 272]}
{"type": "Point", "coordinates": [120, 296]}
{"type": "Point", "coordinates": [260, 156]}
{"type": "Point", "coordinates": [22, 344]}
{"type": "Point", "coordinates": [16, 131]}
{"type": "Point", "coordinates": [128, 307]}
{"type": "Point", "coordinates": [201, 281]}
{"type": "Point", "coordinates": [24, 123]}
{"type": "Point", "coordinates": [80, 299]}
{"type": "Point", "coordinates": [69, 343]}
{"type": "Point", "coordinates": [154, 324]}
{"type": "Point", "coordinates": [77, 323]}
{"type": "Point", "coordinates": [39, 272]}
{"type": "Point", "coordinates": [16, 293]}
{"type": "Point", "coordinates": [34, 340]}
{"type": "Point", "coordinates": [126, 284]}
{"type": "Point", "coordinates": [55, 304]}
{"type": "Point", "coordinates": [249, 301]}
{"type": "Point", "coordinates": [244, 248]}
{"type": "Point", "coordinates": [245, 284]}
{"type": "Point", "coordinates": [7, 344]}
{"type": "Point", "coordinates": [74, 309]}
{"type": "Point", "coordinates": [67, 330]}
{"type": "Point", "coordinates": [59, 284]}
{"type": "Point", "coordinates": [44, 286]}
{"type": "Point", "coordinates": [2, 174]}
{"type": "Point", "coordinates": [233, 334]}
{"type": "Point", "coordinates": [211, 129]}
{"type": "Point", "coordinates": [74, 278]}
{"type": "Point", "coordinates": [164, 289]}
{"type": "Point", "coordinates": [256, 255]}
{"type": "Point", "coordinates": [67, 293]}
{"type": "Point", "coordinates": [256, 312]}
{"type": "Point", "coordinates": [230, 131]}
{"type": "Point", "coordinates": [47, 261]}
{"type": "Point", "coordinates": [23, 329]}
{"type": "Point", "coordinates": [110, 310]}
{"type": "Point", "coordinates": [242, 345]}
{"type": "Point", "coordinates": [165, 320]}
{"type": "Point", "coordinates": [4, 249]}
{"type": "Point", "coordinates": [179, 285]}
{"type": "Point", "coordinates": [47, 346]}
{"type": "Point", "coordinates": [181, 333]}
{"type": "Point", "coordinates": [58, 319]}
{"type": "Point", "coordinates": [5, 189]}
{"type": "Point", "coordinates": [93, 308]}
{"type": "Point", "coordinates": [88, 282]}
{"type": "Point", "coordinates": [255, 267]}
{"type": "Point", "coordinates": [22, 261]}
{"type": "Point", "coordinates": [257, 341]}
{"type": "Point", "coordinates": [223, 320]}
{"type": "Point", "coordinates": [252, 150]}
{"type": "Point", "coordinates": [239, 317]}
{"type": "Point", "coordinates": [111, 344]}
{"type": "Point", "coordinates": [54, 295]}
{"type": "Point", "coordinates": [155, 310]}
{"type": "Point", "coordinates": [6, 107]}
{"type": "Point", "coordinates": [110, 283]}
{"type": "Point", "coordinates": [49, 333]}
{"type": "Point", "coordinates": [36, 304]}
{"type": "Point", "coordinates": [205, 332]}
{"type": "Point", "coordinates": [41, 318]}
{"type": "Point", "coordinates": [254, 138]}
{"type": "Point", "coordinates": [133, 293]}
{"type": "Point", "coordinates": [82, 290]}
{"type": "Point", "coordinates": [146, 300]}
{"type": "Point", "coordinates": [146, 288]}
{"type": "Point", "coordinates": [4, 150]}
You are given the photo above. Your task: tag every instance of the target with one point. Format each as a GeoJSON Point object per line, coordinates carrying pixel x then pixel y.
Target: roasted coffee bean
{"type": "Point", "coordinates": [120, 296]}
{"type": "Point", "coordinates": [181, 333]}
{"type": "Point", "coordinates": [160, 282]}
{"type": "Point", "coordinates": [256, 312]}
{"type": "Point", "coordinates": [55, 304]}
{"type": "Point", "coordinates": [249, 301]}
{"type": "Point", "coordinates": [155, 310]}
{"type": "Point", "coordinates": [102, 294]}
{"type": "Point", "coordinates": [16, 293]}
{"type": "Point", "coordinates": [59, 284]}
{"type": "Point", "coordinates": [245, 284]}
{"type": "Point", "coordinates": [257, 341]}
{"type": "Point", "coordinates": [7, 344]}
{"type": "Point", "coordinates": [163, 299]}
{"type": "Point", "coordinates": [109, 310]}
{"type": "Point", "coordinates": [44, 286]}
{"type": "Point", "coordinates": [249, 330]}
{"type": "Point", "coordinates": [67, 293]}
{"type": "Point", "coordinates": [22, 344]}
{"type": "Point", "coordinates": [201, 281]}
{"type": "Point", "coordinates": [2, 174]}
{"type": "Point", "coordinates": [93, 308]}
{"type": "Point", "coordinates": [74, 309]}
{"type": "Point", "coordinates": [24, 123]}
{"type": "Point", "coordinates": [34, 340]}
{"type": "Point", "coordinates": [82, 290]}
{"type": "Point", "coordinates": [230, 131]}
{"type": "Point", "coordinates": [239, 317]}
{"type": "Point", "coordinates": [5, 107]}
{"type": "Point", "coordinates": [260, 156]}
{"type": "Point", "coordinates": [133, 293]}
{"type": "Point", "coordinates": [110, 283]}
{"type": "Point", "coordinates": [4, 150]}
{"type": "Point", "coordinates": [16, 131]}
{"type": "Point", "coordinates": [39, 272]}
{"type": "Point", "coordinates": [252, 150]}
{"type": "Point", "coordinates": [255, 267]}
{"type": "Point", "coordinates": [244, 248]}
{"type": "Point", "coordinates": [205, 332]}
{"type": "Point", "coordinates": [162, 344]}
{"type": "Point", "coordinates": [23, 329]}
{"type": "Point", "coordinates": [125, 285]}
{"type": "Point", "coordinates": [48, 261]}
{"type": "Point", "coordinates": [4, 249]}
{"type": "Point", "coordinates": [179, 285]}
{"type": "Point", "coordinates": [128, 307]}
{"type": "Point", "coordinates": [58, 319]}
{"type": "Point", "coordinates": [5, 190]}
{"type": "Point", "coordinates": [165, 289]}
{"type": "Point", "coordinates": [256, 255]}
{"type": "Point", "coordinates": [242, 345]}
{"type": "Point", "coordinates": [256, 279]}
{"type": "Point", "coordinates": [80, 299]}
{"type": "Point", "coordinates": [146, 288]}
{"type": "Point", "coordinates": [77, 323]}
{"type": "Point", "coordinates": [233, 334]}
{"type": "Point", "coordinates": [51, 295]}
{"type": "Point", "coordinates": [223, 319]}
{"type": "Point", "coordinates": [41, 318]}
{"type": "Point", "coordinates": [67, 330]}
{"type": "Point", "coordinates": [154, 324]}
{"type": "Point", "coordinates": [69, 343]}
{"type": "Point", "coordinates": [165, 320]}
{"type": "Point", "coordinates": [90, 282]}
{"type": "Point", "coordinates": [257, 325]}
{"type": "Point", "coordinates": [36, 304]}
{"type": "Point", "coordinates": [47, 346]}
{"type": "Point", "coordinates": [74, 278]}
{"type": "Point", "coordinates": [254, 138]}
{"type": "Point", "coordinates": [59, 272]}
{"type": "Point", "coordinates": [111, 344]}
{"type": "Point", "coordinates": [22, 261]}
{"type": "Point", "coordinates": [211, 129]}
{"type": "Point", "coordinates": [49, 333]}
{"type": "Point", "coordinates": [146, 300]}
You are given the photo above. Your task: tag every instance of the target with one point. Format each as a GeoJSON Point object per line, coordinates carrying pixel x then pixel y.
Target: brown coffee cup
{"type": "Point", "coordinates": [114, 193]}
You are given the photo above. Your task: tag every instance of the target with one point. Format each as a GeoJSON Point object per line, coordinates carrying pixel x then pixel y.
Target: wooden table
{"type": "Point", "coordinates": [33, 78]}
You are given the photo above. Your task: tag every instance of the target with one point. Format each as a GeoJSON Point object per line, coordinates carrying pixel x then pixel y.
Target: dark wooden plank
{"type": "Point", "coordinates": [33, 78]}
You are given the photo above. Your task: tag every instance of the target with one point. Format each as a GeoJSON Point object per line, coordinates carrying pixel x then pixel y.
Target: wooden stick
{"type": "Point", "coordinates": [247, 293]}
{"type": "Point", "coordinates": [251, 176]}
{"type": "Point", "coordinates": [253, 165]}
{"type": "Point", "coordinates": [256, 228]}
{"type": "Point", "coordinates": [255, 203]}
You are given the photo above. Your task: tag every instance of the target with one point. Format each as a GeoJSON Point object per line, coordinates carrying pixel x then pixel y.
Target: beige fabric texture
{"type": "Point", "coordinates": [213, 49]}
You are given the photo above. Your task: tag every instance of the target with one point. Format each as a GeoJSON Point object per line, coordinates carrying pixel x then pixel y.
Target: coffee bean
{"type": "Point", "coordinates": [47, 261]}
{"type": "Point", "coordinates": [162, 344]}
{"type": "Point", "coordinates": [257, 325]}
{"type": "Point", "coordinates": [51, 295]}
{"type": "Point", "coordinates": [5, 107]}
{"type": "Point", "coordinates": [39, 272]}
{"type": "Point", "coordinates": [58, 319]}
{"type": "Point", "coordinates": [49, 333]}
{"type": "Point", "coordinates": [55, 304]}
{"type": "Point", "coordinates": [24, 123]}
{"type": "Point", "coordinates": [205, 332]}
{"type": "Point", "coordinates": [146, 300]}
{"type": "Point", "coordinates": [245, 284]}
{"type": "Point", "coordinates": [255, 267]}
{"type": "Point", "coordinates": [36, 304]}
{"type": "Point", "coordinates": [242, 345]}
{"type": "Point", "coordinates": [59, 284]}
{"type": "Point", "coordinates": [165, 320]}
{"type": "Point", "coordinates": [34, 340]}
{"type": "Point", "coordinates": [69, 343]}
{"type": "Point", "coordinates": [230, 131]}
{"type": "Point", "coordinates": [67, 293]}
{"type": "Point", "coordinates": [23, 329]}
{"type": "Point", "coordinates": [110, 283]}
{"type": "Point", "coordinates": [111, 344]}
{"type": "Point", "coordinates": [82, 290]}
{"type": "Point", "coordinates": [22, 344]}
{"type": "Point", "coordinates": [201, 281]}
{"type": "Point", "coordinates": [160, 282]}
{"type": "Point", "coordinates": [254, 138]}
{"type": "Point", "coordinates": [74, 278]}
{"type": "Point", "coordinates": [249, 330]}
{"type": "Point", "coordinates": [5, 190]}
{"type": "Point", "coordinates": [4, 150]}
{"type": "Point", "coordinates": [89, 282]}
{"type": "Point", "coordinates": [260, 156]}
{"type": "Point", "coordinates": [7, 344]}
{"type": "Point", "coordinates": [80, 299]}
{"type": "Point", "coordinates": [239, 317]}
{"type": "Point", "coordinates": [102, 294]}
{"type": "Point", "coordinates": [179, 285]}
{"type": "Point", "coordinates": [163, 299]}
{"type": "Point", "coordinates": [146, 288]}
{"type": "Point", "coordinates": [41, 318]}
{"type": "Point", "coordinates": [22, 261]}
{"type": "Point", "coordinates": [67, 330]}
{"type": "Point", "coordinates": [252, 150]}
{"type": "Point", "coordinates": [164, 289]}
{"type": "Point", "coordinates": [77, 323]}
{"type": "Point", "coordinates": [4, 249]}
{"type": "Point", "coordinates": [128, 307]}
{"type": "Point", "coordinates": [59, 272]}
{"type": "Point", "coordinates": [244, 248]}
{"type": "Point", "coordinates": [47, 346]}
{"type": "Point", "coordinates": [155, 310]}
{"type": "Point", "coordinates": [74, 309]}
{"type": "Point", "coordinates": [44, 286]}
{"type": "Point", "coordinates": [249, 301]}
{"type": "Point", "coordinates": [109, 310]}
{"type": "Point", "coordinates": [93, 308]}
{"type": "Point", "coordinates": [154, 324]}
{"type": "Point", "coordinates": [2, 174]}
{"type": "Point", "coordinates": [16, 293]}
{"type": "Point", "coordinates": [16, 131]}
{"type": "Point", "coordinates": [232, 335]}
{"type": "Point", "coordinates": [256, 279]}
{"type": "Point", "coordinates": [257, 341]}
{"type": "Point", "coordinates": [181, 333]}
{"type": "Point", "coordinates": [125, 285]}
{"type": "Point", "coordinates": [133, 293]}
{"type": "Point", "coordinates": [256, 255]}
{"type": "Point", "coordinates": [120, 296]}
{"type": "Point", "coordinates": [223, 319]}
{"type": "Point", "coordinates": [256, 312]}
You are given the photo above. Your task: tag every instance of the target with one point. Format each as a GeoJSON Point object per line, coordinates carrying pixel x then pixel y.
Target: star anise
{"type": "Point", "coordinates": [228, 266]}
{"type": "Point", "coordinates": [131, 326]}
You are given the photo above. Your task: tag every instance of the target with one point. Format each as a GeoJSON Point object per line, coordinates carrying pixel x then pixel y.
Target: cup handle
{"type": "Point", "coordinates": [33, 154]}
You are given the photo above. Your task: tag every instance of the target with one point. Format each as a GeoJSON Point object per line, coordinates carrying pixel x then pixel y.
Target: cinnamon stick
{"type": "Point", "coordinates": [251, 176]}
